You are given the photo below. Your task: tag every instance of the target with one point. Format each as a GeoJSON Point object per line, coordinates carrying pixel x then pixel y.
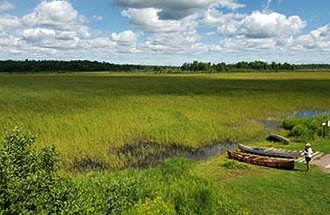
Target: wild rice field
{"type": "Point", "coordinates": [107, 121]}
{"type": "Point", "coordinates": [88, 116]}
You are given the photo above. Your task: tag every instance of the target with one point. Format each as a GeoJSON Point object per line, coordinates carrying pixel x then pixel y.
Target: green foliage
{"type": "Point", "coordinates": [307, 129]}
{"type": "Point", "coordinates": [169, 189]}
{"type": "Point", "coordinates": [121, 193]}
{"type": "Point", "coordinates": [177, 168]}
{"type": "Point", "coordinates": [73, 66]}
{"type": "Point", "coordinates": [195, 195]}
{"type": "Point", "coordinates": [113, 193]}
{"type": "Point", "coordinates": [290, 123]}
{"type": "Point", "coordinates": [28, 183]}
{"type": "Point", "coordinates": [238, 67]}
{"type": "Point", "coordinates": [156, 206]}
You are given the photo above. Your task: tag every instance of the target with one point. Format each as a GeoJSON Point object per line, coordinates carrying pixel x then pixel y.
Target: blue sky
{"type": "Point", "coordinates": [167, 32]}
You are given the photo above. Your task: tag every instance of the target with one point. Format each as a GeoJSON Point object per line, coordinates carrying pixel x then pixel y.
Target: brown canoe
{"type": "Point", "coordinates": [262, 161]}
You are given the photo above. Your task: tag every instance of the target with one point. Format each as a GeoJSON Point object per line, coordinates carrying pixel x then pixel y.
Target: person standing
{"type": "Point", "coordinates": [308, 155]}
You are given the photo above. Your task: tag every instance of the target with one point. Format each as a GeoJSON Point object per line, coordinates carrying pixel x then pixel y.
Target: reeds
{"type": "Point", "coordinates": [86, 115]}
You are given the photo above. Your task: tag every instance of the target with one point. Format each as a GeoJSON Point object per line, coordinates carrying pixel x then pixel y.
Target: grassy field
{"type": "Point", "coordinates": [88, 115]}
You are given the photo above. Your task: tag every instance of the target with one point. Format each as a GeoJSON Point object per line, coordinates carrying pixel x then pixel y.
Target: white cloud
{"type": "Point", "coordinates": [173, 42]}
{"type": "Point", "coordinates": [148, 20]}
{"type": "Point", "coordinates": [251, 44]}
{"type": "Point", "coordinates": [57, 14]}
{"type": "Point", "coordinates": [8, 22]}
{"type": "Point", "coordinates": [266, 8]}
{"type": "Point", "coordinates": [38, 34]}
{"type": "Point", "coordinates": [265, 25]}
{"type": "Point", "coordinates": [9, 43]}
{"type": "Point", "coordinates": [50, 38]}
{"type": "Point", "coordinates": [230, 4]}
{"type": "Point", "coordinates": [124, 37]}
{"type": "Point", "coordinates": [98, 43]}
{"type": "Point", "coordinates": [6, 6]}
{"type": "Point", "coordinates": [255, 25]}
{"type": "Point", "coordinates": [54, 25]}
{"type": "Point", "coordinates": [227, 24]}
{"type": "Point", "coordinates": [318, 39]}
{"type": "Point", "coordinates": [166, 35]}
{"type": "Point", "coordinates": [175, 10]}
{"type": "Point", "coordinates": [97, 18]}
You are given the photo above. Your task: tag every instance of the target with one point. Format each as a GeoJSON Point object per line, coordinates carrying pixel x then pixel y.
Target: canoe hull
{"type": "Point", "coordinates": [262, 161]}
{"type": "Point", "coordinates": [278, 138]}
{"type": "Point", "coordinates": [268, 152]}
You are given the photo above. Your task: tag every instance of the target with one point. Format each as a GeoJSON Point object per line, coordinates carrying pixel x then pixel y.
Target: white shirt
{"type": "Point", "coordinates": [308, 152]}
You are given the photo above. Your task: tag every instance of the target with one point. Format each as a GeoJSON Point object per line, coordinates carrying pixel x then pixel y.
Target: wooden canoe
{"type": "Point", "coordinates": [278, 138]}
{"type": "Point", "coordinates": [269, 152]}
{"type": "Point", "coordinates": [262, 161]}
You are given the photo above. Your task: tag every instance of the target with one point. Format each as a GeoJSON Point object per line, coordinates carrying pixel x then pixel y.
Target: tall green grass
{"type": "Point", "coordinates": [87, 115]}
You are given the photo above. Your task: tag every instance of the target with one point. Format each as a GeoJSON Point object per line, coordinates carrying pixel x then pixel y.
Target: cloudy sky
{"type": "Point", "coordinates": [166, 32]}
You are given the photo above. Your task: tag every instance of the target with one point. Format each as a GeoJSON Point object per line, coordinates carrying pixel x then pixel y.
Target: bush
{"type": "Point", "coordinates": [156, 206]}
{"type": "Point", "coordinates": [28, 183]}
{"type": "Point", "coordinates": [306, 129]}
{"type": "Point", "coordinates": [114, 193]}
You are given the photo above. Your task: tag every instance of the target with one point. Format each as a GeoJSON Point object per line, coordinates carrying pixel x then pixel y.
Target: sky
{"type": "Point", "coordinates": [166, 32]}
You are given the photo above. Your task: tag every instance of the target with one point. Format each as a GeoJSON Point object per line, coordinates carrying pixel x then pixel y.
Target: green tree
{"type": "Point", "coordinates": [28, 182]}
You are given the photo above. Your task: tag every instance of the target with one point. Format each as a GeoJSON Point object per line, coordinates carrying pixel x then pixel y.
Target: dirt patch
{"type": "Point", "coordinates": [323, 162]}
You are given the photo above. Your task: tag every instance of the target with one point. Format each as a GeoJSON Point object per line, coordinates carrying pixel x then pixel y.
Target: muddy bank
{"type": "Point", "coordinates": [143, 154]}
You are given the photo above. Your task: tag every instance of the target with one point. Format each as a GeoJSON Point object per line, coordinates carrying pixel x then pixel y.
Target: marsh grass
{"type": "Point", "coordinates": [87, 115]}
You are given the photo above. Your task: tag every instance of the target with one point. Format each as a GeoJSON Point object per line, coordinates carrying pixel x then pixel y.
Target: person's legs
{"type": "Point", "coordinates": [307, 163]}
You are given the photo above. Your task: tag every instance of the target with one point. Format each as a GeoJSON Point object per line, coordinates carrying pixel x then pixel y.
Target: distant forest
{"type": "Point", "coordinates": [251, 66]}
{"type": "Point", "coordinates": [195, 66]}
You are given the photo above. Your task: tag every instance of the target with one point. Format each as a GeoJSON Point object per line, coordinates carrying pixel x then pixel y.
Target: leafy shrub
{"type": "Point", "coordinates": [306, 129]}
{"type": "Point", "coordinates": [156, 206]}
{"type": "Point", "coordinates": [28, 183]}
{"type": "Point", "coordinates": [115, 193]}
{"type": "Point", "coordinates": [290, 123]}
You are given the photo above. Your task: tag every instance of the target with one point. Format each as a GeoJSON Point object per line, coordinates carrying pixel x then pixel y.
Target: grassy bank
{"type": "Point", "coordinates": [262, 190]}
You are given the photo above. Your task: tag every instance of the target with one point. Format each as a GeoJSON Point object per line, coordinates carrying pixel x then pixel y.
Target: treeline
{"type": "Point", "coordinates": [73, 66]}
{"type": "Point", "coordinates": [195, 66]}
{"type": "Point", "coordinates": [251, 66]}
